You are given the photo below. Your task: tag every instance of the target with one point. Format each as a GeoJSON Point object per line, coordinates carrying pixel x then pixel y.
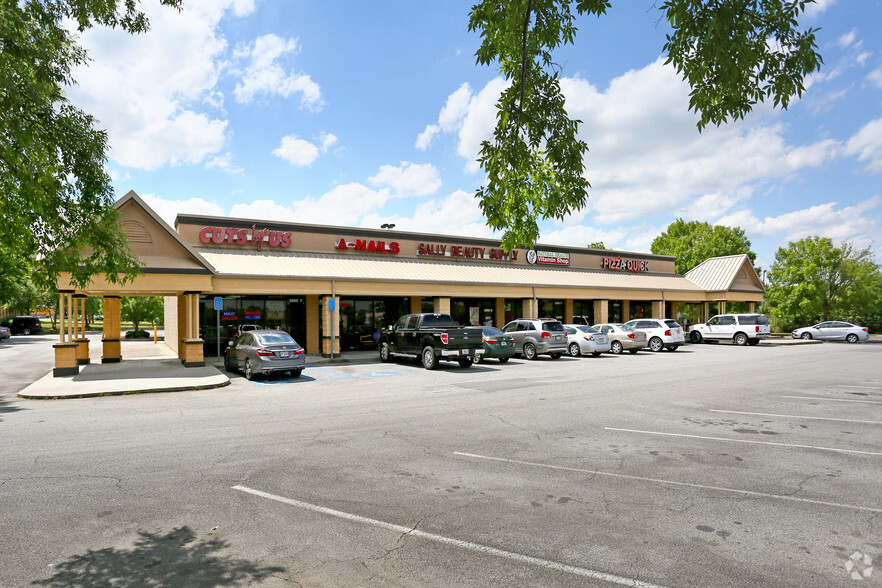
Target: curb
{"type": "Point", "coordinates": [126, 392]}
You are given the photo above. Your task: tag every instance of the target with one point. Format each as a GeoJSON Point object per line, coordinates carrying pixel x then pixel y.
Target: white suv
{"type": "Point", "coordinates": [661, 333]}
{"type": "Point", "coordinates": [742, 329]}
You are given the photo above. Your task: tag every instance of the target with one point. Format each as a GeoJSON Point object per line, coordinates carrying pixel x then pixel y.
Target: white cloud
{"type": "Point", "coordinates": [150, 91]}
{"type": "Point", "coordinates": [457, 214]}
{"type": "Point", "coordinates": [224, 163]}
{"type": "Point", "coordinates": [345, 205]}
{"type": "Point", "coordinates": [875, 77]}
{"type": "Point", "coordinates": [264, 75]}
{"type": "Point", "coordinates": [845, 41]}
{"type": "Point", "coordinates": [263, 209]}
{"type": "Point", "coordinates": [168, 210]}
{"type": "Point", "coordinates": [817, 7]}
{"type": "Point", "coordinates": [450, 118]}
{"type": "Point", "coordinates": [409, 179]}
{"type": "Point", "coordinates": [301, 152]}
{"type": "Point", "coordinates": [867, 145]}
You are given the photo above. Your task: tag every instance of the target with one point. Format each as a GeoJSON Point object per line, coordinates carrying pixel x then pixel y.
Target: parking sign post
{"type": "Point", "coordinates": [218, 306]}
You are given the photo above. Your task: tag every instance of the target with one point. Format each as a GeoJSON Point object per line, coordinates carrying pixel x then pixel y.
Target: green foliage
{"type": "Point", "coordinates": [813, 280]}
{"type": "Point", "coordinates": [55, 194]}
{"type": "Point", "coordinates": [597, 245]}
{"type": "Point", "coordinates": [535, 160]}
{"type": "Point", "coordinates": [694, 241]}
{"type": "Point", "coordinates": [142, 309]}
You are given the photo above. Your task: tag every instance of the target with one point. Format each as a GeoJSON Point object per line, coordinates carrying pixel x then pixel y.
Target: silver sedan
{"type": "Point", "coordinates": [582, 340]}
{"type": "Point", "coordinates": [833, 331]}
{"type": "Point", "coordinates": [623, 337]}
{"type": "Point", "coordinates": [264, 352]}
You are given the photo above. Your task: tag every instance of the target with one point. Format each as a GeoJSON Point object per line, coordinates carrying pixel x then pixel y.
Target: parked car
{"type": "Point", "coordinates": [582, 339]}
{"type": "Point", "coordinates": [742, 329]}
{"type": "Point", "coordinates": [496, 345]}
{"type": "Point", "coordinates": [431, 337]}
{"type": "Point", "coordinates": [5, 333]}
{"type": "Point", "coordinates": [833, 331]}
{"type": "Point", "coordinates": [246, 328]}
{"type": "Point", "coordinates": [661, 333]}
{"type": "Point", "coordinates": [623, 337]}
{"type": "Point", "coordinates": [535, 337]}
{"type": "Point", "coordinates": [264, 352]}
{"type": "Point", "coordinates": [22, 325]}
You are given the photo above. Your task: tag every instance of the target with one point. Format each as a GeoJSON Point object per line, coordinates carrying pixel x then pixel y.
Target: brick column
{"type": "Point", "coordinates": [500, 313]}
{"type": "Point", "coordinates": [601, 311]}
{"type": "Point", "coordinates": [442, 305]}
{"type": "Point", "coordinates": [658, 309]}
{"type": "Point", "coordinates": [626, 311]}
{"type": "Point", "coordinates": [313, 344]}
{"type": "Point", "coordinates": [66, 348]}
{"type": "Point", "coordinates": [416, 306]}
{"type": "Point", "coordinates": [111, 351]}
{"type": "Point", "coordinates": [568, 310]}
{"type": "Point", "coordinates": [326, 326]}
{"type": "Point", "coordinates": [81, 340]}
{"type": "Point", "coordinates": [191, 345]}
{"type": "Point", "coordinates": [751, 307]}
{"type": "Point", "coordinates": [530, 308]}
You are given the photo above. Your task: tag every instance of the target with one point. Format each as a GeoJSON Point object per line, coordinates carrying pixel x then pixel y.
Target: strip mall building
{"type": "Point", "coordinates": [313, 280]}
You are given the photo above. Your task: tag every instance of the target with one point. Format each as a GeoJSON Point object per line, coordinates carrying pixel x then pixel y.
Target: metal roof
{"type": "Point", "coordinates": [717, 274]}
{"type": "Point", "coordinates": [312, 266]}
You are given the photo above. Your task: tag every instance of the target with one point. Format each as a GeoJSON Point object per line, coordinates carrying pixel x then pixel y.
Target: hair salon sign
{"type": "Point", "coordinates": [253, 236]}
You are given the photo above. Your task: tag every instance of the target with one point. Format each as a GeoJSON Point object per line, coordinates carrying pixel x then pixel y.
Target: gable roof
{"type": "Point", "coordinates": [733, 273]}
{"type": "Point", "coordinates": [159, 247]}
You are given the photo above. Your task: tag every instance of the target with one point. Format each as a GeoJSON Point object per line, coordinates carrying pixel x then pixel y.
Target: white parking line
{"type": "Point", "coordinates": [744, 441]}
{"type": "Point", "coordinates": [476, 547]}
{"type": "Point", "coordinates": [673, 483]}
{"type": "Point", "coordinates": [833, 399]}
{"type": "Point", "coordinates": [795, 416]}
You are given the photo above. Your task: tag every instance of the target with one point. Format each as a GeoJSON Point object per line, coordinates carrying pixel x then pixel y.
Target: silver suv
{"type": "Point", "coordinates": [534, 337]}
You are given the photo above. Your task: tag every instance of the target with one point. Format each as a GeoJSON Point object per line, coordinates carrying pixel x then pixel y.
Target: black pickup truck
{"type": "Point", "coordinates": [431, 337]}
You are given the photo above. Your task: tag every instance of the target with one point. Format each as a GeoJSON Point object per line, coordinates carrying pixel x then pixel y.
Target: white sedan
{"type": "Point", "coordinates": [582, 340]}
{"type": "Point", "coordinates": [833, 331]}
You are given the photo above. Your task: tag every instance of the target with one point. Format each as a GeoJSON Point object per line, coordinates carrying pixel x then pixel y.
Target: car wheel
{"type": "Point", "coordinates": [753, 342]}
{"type": "Point", "coordinates": [673, 347]}
{"type": "Point", "coordinates": [26, 331]}
{"type": "Point", "coordinates": [296, 373]}
{"type": "Point", "coordinates": [384, 351]}
{"type": "Point", "coordinates": [465, 362]}
{"type": "Point", "coordinates": [504, 359]}
{"type": "Point", "coordinates": [740, 339]}
{"type": "Point", "coordinates": [695, 337]}
{"type": "Point", "coordinates": [555, 355]}
{"type": "Point", "coordinates": [596, 354]}
{"type": "Point", "coordinates": [852, 338]}
{"type": "Point", "coordinates": [227, 365]}
{"type": "Point", "coordinates": [574, 350]}
{"type": "Point", "coordinates": [656, 345]}
{"type": "Point", "coordinates": [633, 351]}
{"type": "Point", "coordinates": [249, 370]}
{"type": "Point", "coordinates": [430, 362]}
{"type": "Point", "coordinates": [806, 336]}
{"type": "Point", "coordinates": [479, 358]}
{"type": "Point", "coordinates": [616, 347]}
{"type": "Point", "coordinates": [529, 351]}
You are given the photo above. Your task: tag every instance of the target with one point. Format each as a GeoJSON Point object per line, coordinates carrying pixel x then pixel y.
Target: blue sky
{"type": "Point", "coordinates": [363, 113]}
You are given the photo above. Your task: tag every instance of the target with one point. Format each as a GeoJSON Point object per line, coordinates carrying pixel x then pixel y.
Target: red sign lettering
{"type": "Point", "coordinates": [631, 265]}
{"type": "Point", "coordinates": [369, 246]}
{"type": "Point", "coordinates": [235, 236]}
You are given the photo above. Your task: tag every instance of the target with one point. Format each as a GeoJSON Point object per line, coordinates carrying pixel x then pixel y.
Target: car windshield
{"type": "Point", "coordinates": [588, 330]}
{"type": "Point", "coordinates": [626, 328]}
{"type": "Point", "coordinates": [556, 327]}
{"type": "Point", "coordinates": [277, 339]}
{"type": "Point", "coordinates": [672, 324]}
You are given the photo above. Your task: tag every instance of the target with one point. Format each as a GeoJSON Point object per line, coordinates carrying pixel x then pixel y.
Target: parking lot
{"type": "Point", "coordinates": [714, 465]}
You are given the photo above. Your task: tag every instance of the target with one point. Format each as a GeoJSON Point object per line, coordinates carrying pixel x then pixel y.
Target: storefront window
{"type": "Point", "coordinates": [473, 311]}
{"type": "Point", "coordinates": [360, 317]}
{"type": "Point", "coordinates": [641, 309]}
{"type": "Point", "coordinates": [615, 311]}
{"type": "Point", "coordinates": [513, 309]}
{"type": "Point", "coordinates": [551, 308]}
{"type": "Point", "coordinates": [583, 312]}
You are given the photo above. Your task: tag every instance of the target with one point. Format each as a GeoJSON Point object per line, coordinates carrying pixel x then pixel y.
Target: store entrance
{"type": "Point", "coordinates": [361, 316]}
{"type": "Point", "coordinates": [282, 313]}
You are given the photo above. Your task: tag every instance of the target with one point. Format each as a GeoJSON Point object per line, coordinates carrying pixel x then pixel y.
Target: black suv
{"type": "Point", "coordinates": [23, 325]}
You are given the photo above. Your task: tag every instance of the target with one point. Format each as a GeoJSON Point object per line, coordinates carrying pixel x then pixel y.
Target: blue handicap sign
{"type": "Point", "coordinates": [218, 303]}
{"type": "Point", "coordinates": [332, 304]}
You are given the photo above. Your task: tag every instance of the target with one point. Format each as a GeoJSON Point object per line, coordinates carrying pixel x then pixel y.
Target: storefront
{"type": "Point", "coordinates": [312, 280]}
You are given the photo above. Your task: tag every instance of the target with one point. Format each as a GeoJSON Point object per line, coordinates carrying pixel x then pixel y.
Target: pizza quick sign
{"type": "Point", "coordinates": [632, 265]}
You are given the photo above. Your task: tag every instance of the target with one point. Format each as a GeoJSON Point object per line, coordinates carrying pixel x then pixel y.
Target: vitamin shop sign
{"type": "Point", "coordinates": [253, 236]}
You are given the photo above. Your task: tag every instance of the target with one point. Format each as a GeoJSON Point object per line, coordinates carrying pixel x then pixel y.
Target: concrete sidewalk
{"type": "Point", "coordinates": [150, 367]}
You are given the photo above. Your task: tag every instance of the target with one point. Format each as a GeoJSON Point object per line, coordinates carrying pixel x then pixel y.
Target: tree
{"type": "Point", "coordinates": [812, 280]}
{"type": "Point", "coordinates": [55, 194]}
{"type": "Point", "coordinates": [694, 241]}
{"type": "Point", "coordinates": [142, 309]}
{"type": "Point", "coordinates": [596, 245]}
{"type": "Point", "coordinates": [733, 53]}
